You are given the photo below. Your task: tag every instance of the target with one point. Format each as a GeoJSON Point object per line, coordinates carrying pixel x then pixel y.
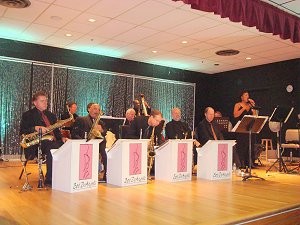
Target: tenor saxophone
{"type": "Point", "coordinates": [94, 133]}
{"type": "Point", "coordinates": [150, 153]}
{"type": "Point", "coordinates": [32, 139]}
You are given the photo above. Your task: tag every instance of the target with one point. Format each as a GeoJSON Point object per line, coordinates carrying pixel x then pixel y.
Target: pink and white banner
{"type": "Point", "coordinates": [85, 161]}
{"type": "Point", "coordinates": [222, 157]}
{"type": "Point", "coordinates": [135, 159]}
{"type": "Point", "coordinates": [182, 157]}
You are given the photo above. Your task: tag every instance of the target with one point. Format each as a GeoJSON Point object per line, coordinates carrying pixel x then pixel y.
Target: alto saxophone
{"type": "Point", "coordinates": [94, 133]}
{"type": "Point", "coordinates": [32, 139]}
{"type": "Point", "coordinates": [144, 105]}
{"type": "Point", "coordinates": [150, 153]}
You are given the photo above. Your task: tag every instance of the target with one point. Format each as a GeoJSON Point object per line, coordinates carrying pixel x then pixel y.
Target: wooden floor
{"type": "Point", "coordinates": [195, 202]}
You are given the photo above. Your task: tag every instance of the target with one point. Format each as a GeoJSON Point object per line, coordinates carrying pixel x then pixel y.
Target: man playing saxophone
{"type": "Point", "coordinates": [40, 118]}
{"type": "Point", "coordinates": [81, 129]}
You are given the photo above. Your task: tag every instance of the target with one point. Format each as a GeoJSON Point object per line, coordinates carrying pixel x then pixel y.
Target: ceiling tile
{"type": "Point", "coordinates": [135, 34]}
{"type": "Point", "coordinates": [112, 28]}
{"type": "Point", "coordinates": [65, 14]}
{"type": "Point", "coordinates": [171, 19]}
{"type": "Point", "coordinates": [12, 28]}
{"type": "Point", "coordinates": [232, 38]}
{"type": "Point", "coordinates": [157, 39]}
{"type": "Point", "coordinates": [84, 17]}
{"type": "Point", "coordinates": [177, 44]}
{"type": "Point", "coordinates": [193, 26]}
{"type": "Point", "coordinates": [293, 6]}
{"type": "Point", "coordinates": [114, 44]}
{"type": "Point", "coordinates": [76, 4]}
{"type": "Point", "coordinates": [86, 42]}
{"type": "Point", "coordinates": [113, 8]}
{"type": "Point", "coordinates": [38, 32]}
{"type": "Point", "coordinates": [62, 33]}
{"type": "Point", "coordinates": [83, 28]}
{"type": "Point", "coordinates": [132, 49]}
{"type": "Point", "coordinates": [144, 12]}
{"type": "Point", "coordinates": [57, 41]}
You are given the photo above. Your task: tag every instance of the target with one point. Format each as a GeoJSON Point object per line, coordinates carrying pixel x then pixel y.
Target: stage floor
{"type": "Point", "coordinates": [195, 202]}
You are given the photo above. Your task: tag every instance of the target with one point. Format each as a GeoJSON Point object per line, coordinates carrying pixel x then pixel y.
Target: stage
{"type": "Point", "coordinates": [275, 200]}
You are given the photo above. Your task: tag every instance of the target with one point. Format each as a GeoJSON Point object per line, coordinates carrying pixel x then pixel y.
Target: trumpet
{"type": "Point", "coordinates": [94, 133]}
{"type": "Point", "coordinates": [32, 139]}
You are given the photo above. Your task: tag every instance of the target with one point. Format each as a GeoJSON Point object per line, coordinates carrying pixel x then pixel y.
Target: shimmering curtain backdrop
{"type": "Point", "coordinates": [19, 79]}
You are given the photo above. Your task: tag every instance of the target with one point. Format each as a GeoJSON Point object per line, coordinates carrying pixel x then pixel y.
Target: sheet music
{"type": "Point", "coordinates": [236, 126]}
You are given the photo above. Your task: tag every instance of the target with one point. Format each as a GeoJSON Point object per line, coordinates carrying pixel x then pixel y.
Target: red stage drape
{"type": "Point", "coordinates": [265, 17]}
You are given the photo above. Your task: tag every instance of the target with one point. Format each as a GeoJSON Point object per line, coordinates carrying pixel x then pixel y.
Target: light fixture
{"type": "Point", "coordinates": [154, 51]}
{"type": "Point", "coordinates": [15, 3]}
{"type": "Point", "coordinates": [184, 42]}
{"type": "Point", "coordinates": [227, 52]}
{"type": "Point", "coordinates": [68, 35]}
{"type": "Point", "coordinates": [92, 20]}
{"type": "Point", "coordinates": [248, 58]}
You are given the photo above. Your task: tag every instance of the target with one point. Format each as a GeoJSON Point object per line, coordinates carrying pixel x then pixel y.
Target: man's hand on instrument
{"type": "Point", "coordinates": [44, 129]}
{"type": "Point", "coordinates": [99, 127]}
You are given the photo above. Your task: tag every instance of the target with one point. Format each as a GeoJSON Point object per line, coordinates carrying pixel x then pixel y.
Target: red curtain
{"type": "Point", "coordinates": [265, 17]}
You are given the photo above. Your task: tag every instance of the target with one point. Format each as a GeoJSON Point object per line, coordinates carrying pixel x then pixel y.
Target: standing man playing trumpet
{"type": "Point", "coordinates": [40, 118]}
{"type": "Point", "coordinates": [83, 126]}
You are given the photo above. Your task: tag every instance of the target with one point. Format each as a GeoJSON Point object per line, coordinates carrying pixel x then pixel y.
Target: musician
{"type": "Point", "coordinates": [208, 129]}
{"type": "Point", "coordinates": [130, 115]}
{"type": "Point", "coordinates": [176, 129]}
{"type": "Point", "coordinates": [32, 121]}
{"type": "Point", "coordinates": [72, 110]}
{"type": "Point", "coordinates": [138, 108]}
{"type": "Point", "coordinates": [142, 127]}
{"type": "Point", "coordinates": [82, 127]}
{"type": "Point", "coordinates": [242, 108]}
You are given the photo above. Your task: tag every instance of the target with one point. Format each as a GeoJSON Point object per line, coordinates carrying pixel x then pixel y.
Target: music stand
{"type": "Point", "coordinates": [280, 114]}
{"type": "Point", "coordinates": [113, 124]}
{"type": "Point", "coordinates": [248, 125]}
{"type": "Point", "coordinates": [222, 122]}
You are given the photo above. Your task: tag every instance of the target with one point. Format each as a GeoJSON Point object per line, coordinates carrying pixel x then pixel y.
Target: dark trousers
{"type": "Point", "coordinates": [102, 152]}
{"type": "Point", "coordinates": [46, 147]}
{"type": "Point", "coordinates": [242, 147]}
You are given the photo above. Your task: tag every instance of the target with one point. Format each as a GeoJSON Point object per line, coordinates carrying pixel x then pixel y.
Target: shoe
{"type": "Point", "coordinates": [48, 183]}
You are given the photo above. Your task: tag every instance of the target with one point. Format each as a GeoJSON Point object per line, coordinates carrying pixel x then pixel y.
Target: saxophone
{"type": "Point", "coordinates": [32, 139]}
{"type": "Point", "coordinates": [94, 133]}
{"type": "Point", "coordinates": [150, 153]}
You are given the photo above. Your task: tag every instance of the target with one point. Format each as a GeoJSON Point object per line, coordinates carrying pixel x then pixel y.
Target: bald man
{"type": "Point", "coordinates": [208, 129]}
{"type": "Point", "coordinates": [176, 129]}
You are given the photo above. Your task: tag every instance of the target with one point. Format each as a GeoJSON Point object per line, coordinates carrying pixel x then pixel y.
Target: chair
{"type": "Point", "coordinates": [292, 141]}
{"type": "Point", "coordinates": [268, 144]}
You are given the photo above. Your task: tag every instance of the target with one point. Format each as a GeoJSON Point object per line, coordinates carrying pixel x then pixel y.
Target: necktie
{"type": "Point", "coordinates": [47, 122]}
{"type": "Point", "coordinates": [213, 131]}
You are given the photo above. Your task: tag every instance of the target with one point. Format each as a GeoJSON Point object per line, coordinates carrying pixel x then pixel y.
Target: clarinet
{"type": "Point", "coordinates": [40, 159]}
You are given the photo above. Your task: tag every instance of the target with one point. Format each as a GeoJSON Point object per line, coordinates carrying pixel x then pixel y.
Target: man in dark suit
{"type": "Point", "coordinates": [40, 118]}
{"type": "Point", "coordinates": [142, 126]}
{"type": "Point", "coordinates": [176, 129]}
{"type": "Point", "coordinates": [208, 129]}
{"type": "Point", "coordinates": [82, 127]}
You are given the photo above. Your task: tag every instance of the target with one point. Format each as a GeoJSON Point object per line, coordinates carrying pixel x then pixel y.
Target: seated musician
{"type": "Point", "coordinates": [130, 115]}
{"type": "Point", "coordinates": [208, 129]}
{"type": "Point", "coordinates": [176, 129]}
{"type": "Point", "coordinates": [40, 118]}
{"type": "Point", "coordinates": [142, 126]}
{"type": "Point", "coordinates": [82, 127]}
{"type": "Point", "coordinates": [72, 109]}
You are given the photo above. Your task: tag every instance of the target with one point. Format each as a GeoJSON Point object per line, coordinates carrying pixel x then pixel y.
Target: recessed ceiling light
{"type": "Point", "coordinates": [92, 20]}
{"type": "Point", "coordinates": [154, 51]}
{"type": "Point", "coordinates": [184, 42]}
{"type": "Point", "coordinates": [69, 35]}
{"type": "Point", "coordinates": [216, 64]}
{"type": "Point", "coordinates": [57, 18]}
{"type": "Point", "coordinates": [248, 58]}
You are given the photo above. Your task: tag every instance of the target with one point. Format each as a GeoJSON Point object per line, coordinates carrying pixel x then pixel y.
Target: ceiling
{"type": "Point", "coordinates": [133, 29]}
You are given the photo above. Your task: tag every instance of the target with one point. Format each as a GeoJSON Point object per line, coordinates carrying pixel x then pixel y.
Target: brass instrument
{"type": "Point", "coordinates": [94, 133]}
{"type": "Point", "coordinates": [32, 139]}
{"type": "Point", "coordinates": [143, 105]}
{"type": "Point", "coordinates": [150, 153]}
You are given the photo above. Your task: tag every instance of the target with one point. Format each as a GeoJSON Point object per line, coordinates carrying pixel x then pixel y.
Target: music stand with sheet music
{"type": "Point", "coordinates": [113, 124]}
{"type": "Point", "coordinates": [248, 125]}
{"type": "Point", "coordinates": [222, 122]}
{"type": "Point", "coordinates": [280, 114]}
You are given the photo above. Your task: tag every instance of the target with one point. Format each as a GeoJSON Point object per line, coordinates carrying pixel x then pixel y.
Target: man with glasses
{"type": "Point", "coordinates": [142, 126]}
